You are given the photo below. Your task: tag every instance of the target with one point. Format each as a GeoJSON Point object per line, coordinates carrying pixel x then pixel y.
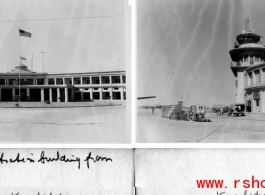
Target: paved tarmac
{"type": "Point", "coordinates": [14, 104]}
{"type": "Point", "coordinates": [222, 129]}
{"type": "Point", "coordinates": [93, 124]}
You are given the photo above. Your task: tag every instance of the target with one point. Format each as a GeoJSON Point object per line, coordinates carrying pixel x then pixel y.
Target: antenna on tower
{"type": "Point", "coordinates": [247, 25]}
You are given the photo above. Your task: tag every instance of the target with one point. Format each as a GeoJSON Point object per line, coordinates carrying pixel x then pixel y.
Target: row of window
{"type": "Point", "coordinates": [106, 81]}
{"type": "Point", "coordinates": [58, 82]}
{"type": "Point", "coordinates": [115, 88]}
{"type": "Point", "coordinates": [257, 58]}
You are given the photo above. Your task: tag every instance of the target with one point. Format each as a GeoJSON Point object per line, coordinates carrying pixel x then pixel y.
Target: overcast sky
{"type": "Point", "coordinates": [183, 48]}
{"type": "Point", "coordinates": [78, 45]}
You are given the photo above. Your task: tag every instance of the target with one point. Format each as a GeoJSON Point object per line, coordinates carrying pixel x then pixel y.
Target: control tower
{"type": "Point", "coordinates": [248, 51]}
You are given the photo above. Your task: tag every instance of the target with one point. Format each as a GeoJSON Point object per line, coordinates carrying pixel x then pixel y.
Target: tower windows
{"type": "Point", "coordinates": [251, 60]}
{"type": "Point", "coordinates": [245, 58]}
{"type": "Point", "coordinates": [256, 58]}
{"type": "Point", "coordinates": [263, 73]}
{"type": "Point", "coordinates": [250, 78]}
{"type": "Point", "coordinates": [257, 76]}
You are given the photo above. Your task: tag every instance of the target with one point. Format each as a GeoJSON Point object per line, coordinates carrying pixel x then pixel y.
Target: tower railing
{"type": "Point", "coordinates": [235, 63]}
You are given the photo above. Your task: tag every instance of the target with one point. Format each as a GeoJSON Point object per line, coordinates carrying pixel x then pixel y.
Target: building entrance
{"type": "Point", "coordinates": [6, 95]}
{"type": "Point", "coordinates": [46, 95]}
{"type": "Point", "coordinates": [116, 95]}
{"type": "Point", "coordinates": [62, 95]}
{"type": "Point", "coordinates": [35, 95]}
{"type": "Point", "coordinates": [87, 96]}
{"type": "Point", "coordinates": [77, 96]}
{"type": "Point", "coordinates": [23, 94]}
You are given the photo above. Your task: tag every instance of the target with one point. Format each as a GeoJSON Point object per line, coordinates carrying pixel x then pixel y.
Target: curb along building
{"type": "Point", "coordinates": [248, 67]}
{"type": "Point", "coordinates": [66, 87]}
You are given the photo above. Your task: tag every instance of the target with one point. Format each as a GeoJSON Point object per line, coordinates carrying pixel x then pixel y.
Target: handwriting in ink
{"type": "Point", "coordinates": [98, 158]}
{"type": "Point", "coordinates": [44, 159]}
{"type": "Point", "coordinates": [17, 159]}
{"type": "Point", "coordinates": [2, 160]}
{"type": "Point", "coordinates": [38, 193]}
{"type": "Point", "coordinates": [30, 160]}
{"type": "Point", "coordinates": [245, 193]}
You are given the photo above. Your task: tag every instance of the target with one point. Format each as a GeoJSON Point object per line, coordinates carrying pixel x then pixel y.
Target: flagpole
{"type": "Point", "coordinates": [19, 67]}
{"type": "Point", "coordinates": [26, 34]}
{"type": "Point", "coordinates": [32, 63]}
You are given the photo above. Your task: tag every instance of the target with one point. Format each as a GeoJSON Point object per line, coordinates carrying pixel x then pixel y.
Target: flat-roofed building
{"type": "Point", "coordinates": [64, 87]}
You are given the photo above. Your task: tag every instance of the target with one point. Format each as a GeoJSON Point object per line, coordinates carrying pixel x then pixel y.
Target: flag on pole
{"type": "Point", "coordinates": [23, 58]}
{"type": "Point", "coordinates": [24, 33]}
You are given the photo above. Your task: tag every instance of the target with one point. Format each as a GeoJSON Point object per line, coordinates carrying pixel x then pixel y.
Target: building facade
{"type": "Point", "coordinates": [248, 66]}
{"type": "Point", "coordinates": [66, 87]}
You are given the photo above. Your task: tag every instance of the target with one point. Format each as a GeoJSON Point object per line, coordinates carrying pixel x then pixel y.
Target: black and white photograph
{"type": "Point", "coordinates": [111, 97]}
{"type": "Point", "coordinates": [200, 71]}
{"type": "Point", "coordinates": [63, 75]}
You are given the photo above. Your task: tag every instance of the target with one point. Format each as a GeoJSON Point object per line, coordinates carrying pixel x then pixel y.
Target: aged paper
{"type": "Point", "coordinates": [176, 171]}
{"type": "Point", "coordinates": [66, 171]}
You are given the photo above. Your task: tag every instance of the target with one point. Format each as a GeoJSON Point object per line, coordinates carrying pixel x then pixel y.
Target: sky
{"type": "Point", "coordinates": [71, 45]}
{"type": "Point", "coordinates": [183, 48]}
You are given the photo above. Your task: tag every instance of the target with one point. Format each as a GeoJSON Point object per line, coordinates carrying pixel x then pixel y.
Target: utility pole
{"type": "Point", "coordinates": [43, 59]}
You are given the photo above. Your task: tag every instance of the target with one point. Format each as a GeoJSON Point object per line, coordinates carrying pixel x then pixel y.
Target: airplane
{"type": "Point", "coordinates": [148, 107]}
{"type": "Point", "coordinates": [141, 98]}
{"type": "Point", "coordinates": [157, 106]}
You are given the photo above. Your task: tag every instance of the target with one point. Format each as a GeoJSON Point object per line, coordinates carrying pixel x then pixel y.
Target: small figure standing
{"type": "Point", "coordinates": [221, 111]}
{"type": "Point", "coordinates": [153, 110]}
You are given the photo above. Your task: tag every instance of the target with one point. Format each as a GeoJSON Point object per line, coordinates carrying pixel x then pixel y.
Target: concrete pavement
{"type": "Point", "coordinates": [98, 124]}
{"type": "Point", "coordinates": [58, 104]}
{"type": "Point", "coordinates": [223, 129]}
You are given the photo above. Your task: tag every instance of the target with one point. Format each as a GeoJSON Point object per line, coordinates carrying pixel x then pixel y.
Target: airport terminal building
{"type": "Point", "coordinates": [65, 87]}
{"type": "Point", "coordinates": [248, 66]}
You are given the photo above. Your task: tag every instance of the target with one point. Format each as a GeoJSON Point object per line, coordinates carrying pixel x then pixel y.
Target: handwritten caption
{"type": "Point", "coordinates": [245, 193]}
{"type": "Point", "coordinates": [43, 158]}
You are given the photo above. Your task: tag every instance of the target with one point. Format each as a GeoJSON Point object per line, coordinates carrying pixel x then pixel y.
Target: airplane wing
{"type": "Point", "coordinates": [147, 107]}
{"type": "Point", "coordinates": [141, 98]}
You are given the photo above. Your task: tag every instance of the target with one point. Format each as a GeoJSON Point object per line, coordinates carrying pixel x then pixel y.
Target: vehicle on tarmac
{"type": "Point", "coordinates": [167, 110]}
{"type": "Point", "coordinates": [194, 113]}
{"type": "Point", "coordinates": [197, 113]}
{"type": "Point", "coordinates": [218, 109]}
{"type": "Point", "coordinates": [237, 109]}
